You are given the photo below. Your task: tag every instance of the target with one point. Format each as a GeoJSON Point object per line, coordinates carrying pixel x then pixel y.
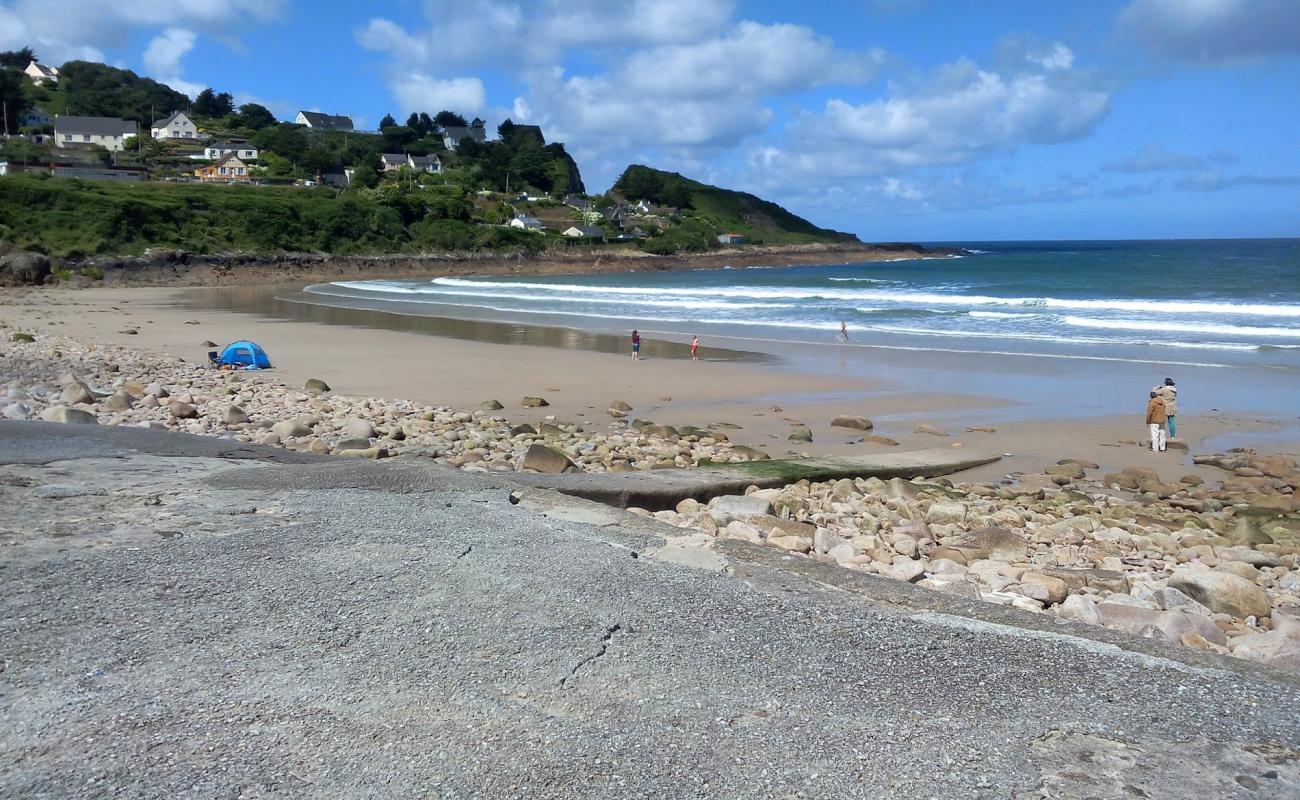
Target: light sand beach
{"type": "Point", "coordinates": [767, 396]}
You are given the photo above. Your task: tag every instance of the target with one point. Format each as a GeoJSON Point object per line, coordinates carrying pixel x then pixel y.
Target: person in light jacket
{"type": "Point", "coordinates": [1156, 417]}
{"type": "Point", "coordinates": [1169, 393]}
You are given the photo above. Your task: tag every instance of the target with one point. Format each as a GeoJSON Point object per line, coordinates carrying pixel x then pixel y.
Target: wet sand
{"type": "Point", "coordinates": [1043, 409]}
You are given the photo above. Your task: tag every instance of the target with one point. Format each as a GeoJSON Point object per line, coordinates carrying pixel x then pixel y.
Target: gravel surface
{"type": "Point", "coordinates": [186, 626]}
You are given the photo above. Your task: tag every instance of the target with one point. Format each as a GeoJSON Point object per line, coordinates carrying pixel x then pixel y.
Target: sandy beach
{"type": "Point", "coordinates": [1034, 406]}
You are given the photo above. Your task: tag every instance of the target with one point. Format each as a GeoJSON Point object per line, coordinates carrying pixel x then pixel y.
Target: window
{"type": "Point", "coordinates": [67, 137]}
{"type": "Point", "coordinates": [223, 170]}
{"type": "Point", "coordinates": [85, 137]}
{"type": "Point", "coordinates": [241, 170]}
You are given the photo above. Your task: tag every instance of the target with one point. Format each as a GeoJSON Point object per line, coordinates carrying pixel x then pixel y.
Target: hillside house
{"type": "Point", "coordinates": [454, 135]}
{"type": "Point", "coordinates": [228, 169]}
{"type": "Point", "coordinates": [430, 164]}
{"type": "Point", "coordinates": [526, 223]}
{"type": "Point", "coordinates": [218, 150]}
{"type": "Point", "coordinates": [584, 232]}
{"type": "Point", "coordinates": [324, 122]}
{"type": "Point", "coordinates": [731, 238]}
{"type": "Point", "coordinates": [109, 132]}
{"type": "Point", "coordinates": [37, 72]}
{"type": "Point", "coordinates": [37, 117]}
{"type": "Point", "coordinates": [391, 161]}
{"type": "Point", "coordinates": [176, 125]}
{"type": "Point", "coordinates": [577, 202]}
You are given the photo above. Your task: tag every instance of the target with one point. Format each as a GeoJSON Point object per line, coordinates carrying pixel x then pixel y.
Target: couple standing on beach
{"type": "Point", "coordinates": [636, 347]}
{"type": "Point", "coordinates": [1162, 407]}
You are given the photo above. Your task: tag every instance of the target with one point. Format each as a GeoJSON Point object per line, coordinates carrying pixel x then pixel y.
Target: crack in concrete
{"type": "Point", "coordinates": [465, 552]}
{"type": "Point", "coordinates": [601, 646]}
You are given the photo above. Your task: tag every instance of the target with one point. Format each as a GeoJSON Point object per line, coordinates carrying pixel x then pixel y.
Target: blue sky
{"type": "Point", "coordinates": [894, 119]}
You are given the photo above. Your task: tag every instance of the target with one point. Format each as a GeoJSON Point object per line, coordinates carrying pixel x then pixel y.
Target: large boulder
{"type": "Point", "coordinates": [727, 507]}
{"type": "Point", "coordinates": [619, 408]}
{"type": "Point", "coordinates": [76, 393]}
{"type": "Point", "coordinates": [856, 423]}
{"type": "Point", "coordinates": [1223, 593]}
{"type": "Point", "coordinates": [290, 428]}
{"type": "Point", "coordinates": [541, 458]}
{"type": "Point", "coordinates": [1272, 648]}
{"type": "Point", "coordinates": [23, 268]}
{"type": "Point", "coordinates": [998, 544]}
{"type": "Point", "coordinates": [68, 416]}
{"type": "Point", "coordinates": [316, 385]}
{"type": "Point", "coordinates": [359, 428]}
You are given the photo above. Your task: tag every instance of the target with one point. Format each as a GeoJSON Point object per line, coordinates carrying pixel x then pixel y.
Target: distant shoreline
{"type": "Point", "coordinates": [179, 268]}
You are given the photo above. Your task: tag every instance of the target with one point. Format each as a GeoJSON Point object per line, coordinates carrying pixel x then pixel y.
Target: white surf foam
{"type": "Point", "coordinates": [1181, 327]}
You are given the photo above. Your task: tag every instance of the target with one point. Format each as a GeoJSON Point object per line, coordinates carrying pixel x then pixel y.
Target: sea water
{"type": "Point", "coordinates": [1202, 303]}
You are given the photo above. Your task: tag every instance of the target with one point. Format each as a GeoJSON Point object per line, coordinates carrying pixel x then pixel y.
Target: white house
{"type": "Point", "coordinates": [430, 164]}
{"type": "Point", "coordinates": [176, 125]}
{"type": "Point", "coordinates": [584, 232]}
{"type": "Point", "coordinates": [731, 238]}
{"type": "Point", "coordinates": [108, 132]}
{"type": "Point", "coordinates": [40, 73]}
{"type": "Point", "coordinates": [218, 150]}
{"type": "Point", "coordinates": [526, 223]}
{"type": "Point", "coordinates": [323, 122]}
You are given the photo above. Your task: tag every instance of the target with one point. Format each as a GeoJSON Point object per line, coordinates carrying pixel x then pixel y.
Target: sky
{"type": "Point", "coordinates": [897, 120]}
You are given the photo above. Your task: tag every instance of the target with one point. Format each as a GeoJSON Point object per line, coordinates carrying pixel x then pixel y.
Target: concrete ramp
{"type": "Point", "coordinates": [665, 488]}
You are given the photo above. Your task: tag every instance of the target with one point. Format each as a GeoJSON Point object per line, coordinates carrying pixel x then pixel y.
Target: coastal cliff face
{"type": "Point", "coordinates": [181, 268]}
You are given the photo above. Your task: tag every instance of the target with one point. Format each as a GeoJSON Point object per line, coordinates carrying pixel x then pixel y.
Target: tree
{"type": "Point", "coordinates": [450, 119]}
{"type": "Point", "coordinates": [213, 104]}
{"type": "Point", "coordinates": [427, 125]}
{"type": "Point", "coordinates": [387, 122]}
{"type": "Point", "coordinates": [14, 99]}
{"type": "Point", "coordinates": [17, 59]}
{"type": "Point", "coordinates": [20, 150]}
{"type": "Point", "coordinates": [366, 175]}
{"type": "Point", "coordinates": [506, 130]}
{"type": "Point", "coordinates": [98, 90]}
{"type": "Point", "coordinates": [254, 116]}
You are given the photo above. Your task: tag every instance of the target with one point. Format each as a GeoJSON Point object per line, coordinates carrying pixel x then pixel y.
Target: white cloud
{"type": "Point", "coordinates": [162, 57]}
{"type": "Point", "coordinates": [1213, 30]}
{"type": "Point", "coordinates": [669, 77]}
{"type": "Point", "coordinates": [423, 93]}
{"type": "Point", "coordinates": [1155, 158]}
{"type": "Point", "coordinates": [961, 112]}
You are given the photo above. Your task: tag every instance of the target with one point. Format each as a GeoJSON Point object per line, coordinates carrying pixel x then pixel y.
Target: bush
{"type": "Point", "coordinates": [94, 273]}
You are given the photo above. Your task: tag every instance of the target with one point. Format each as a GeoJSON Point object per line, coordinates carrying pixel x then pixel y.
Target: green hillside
{"type": "Point", "coordinates": [72, 218]}
{"type": "Point", "coordinates": [713, 210]}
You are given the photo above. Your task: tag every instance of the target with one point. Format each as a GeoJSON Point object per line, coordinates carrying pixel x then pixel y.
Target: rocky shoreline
{"type": "Point", "coordinates": [1215, 567]}
{"type": "Point", "coordinates": [58, 379]}
{"type": "Point", "coordinates": [161, 267]}
{"type": "Point", "coordinates": [1211, 567]}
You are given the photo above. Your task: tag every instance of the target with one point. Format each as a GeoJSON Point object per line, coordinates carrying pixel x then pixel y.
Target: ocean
{"type": "Point", "coordinates": [1202, 303]}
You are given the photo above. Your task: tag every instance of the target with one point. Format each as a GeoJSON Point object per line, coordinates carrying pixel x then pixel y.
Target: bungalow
{"type": "Point", "coordinates": [176, 125]}
{"type": "Point", "coordinates": [217, 150]}
{"type": "Point", "coordinates": [584, 232]}
{"type": "Point", "coordinates": [228, 170]}
{"type": "Point", "coordinates": [430, 164]}
{"type": "Point", "coordinates": [37, 72]}
{"type": "Point", "coordinates": [108, 132]}
{"type": "Point", "coordinates": [392, 161]}
{"type": "Point", "coordinates": [454, 135]}
{"type": "Point", "coordinates": [578, 202]}
{"type": "Point", "coordinates": [731, 238]}
{"type": "Point", "coordinates": [526, 223]}
{"type": "Point", "coordinates": [324, 122]}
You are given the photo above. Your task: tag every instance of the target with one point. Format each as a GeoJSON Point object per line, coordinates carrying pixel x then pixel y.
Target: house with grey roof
{"type": "Point", "coordinates": [176, 125]}
{"type": "Point", "coordinates": [392, 161]}
{"type": "Point", "coordinates": [453, 135]}
{"type": "Point", "coordinates": [324, 122]}
{"type": "Point", "coordinates": [584, 232]}
{"type": "Point", "coordinates": [37, 72]}
{"type": "Point", "coordinates": [430, 164]}
{"type": "Point", "coordinates": [109, 132]}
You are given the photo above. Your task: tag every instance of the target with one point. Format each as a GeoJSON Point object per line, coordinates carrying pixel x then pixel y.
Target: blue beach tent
{"type": "Point", "coordinates": [244, 355]}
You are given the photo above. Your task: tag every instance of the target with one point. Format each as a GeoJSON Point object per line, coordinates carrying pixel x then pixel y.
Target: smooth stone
{"type": "Point", "coordinates": [533, 402]}
{"type": "Point", "coordinates": [118, 401]}
{"type": "Point", "coordinates": [541, 458]}
{"type": "Point", "coordinates": [872, 438]}
{"type": "Point", "coordinates": [856, 423]}
{"type": "Point", "coordinates": [182, 410]}
{"type": "Point", "coordinates": [358, 428]}
{"type": "Point", "coordinates": [491, 405]}
{"type": "Point", "coordinates": [290, 428]}
{"type": "Point", "coordinates": [930, 429]}
{"type": "Point", "coordinates": [998, 544]}
{"type": "Point", "coordinates": [316, 385]}
{"type": "Point", "coordinates": [68, 416]}
{"type": "Point", "coordinates": [1223, 593]}
{"type": "Point", "coordinates": [235, 415]}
